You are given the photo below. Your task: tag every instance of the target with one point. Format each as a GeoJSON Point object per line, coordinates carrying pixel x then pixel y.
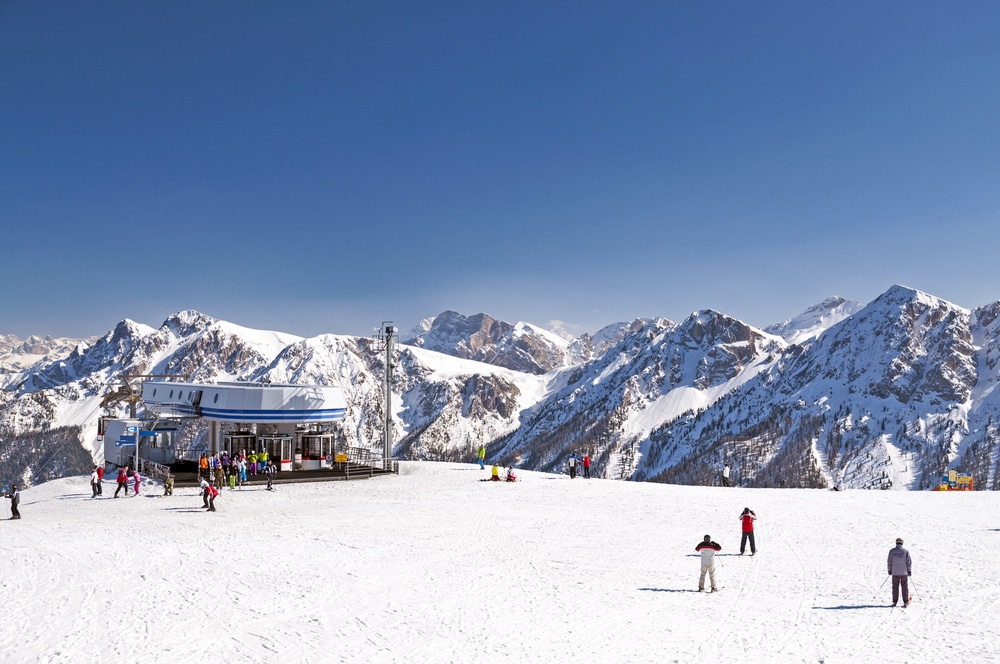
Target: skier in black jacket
{"type": "Point", "coordinates": [15, 498]}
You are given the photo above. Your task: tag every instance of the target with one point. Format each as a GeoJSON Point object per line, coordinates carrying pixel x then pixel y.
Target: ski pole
{"type": "Point", "coordinates": [880, 587]}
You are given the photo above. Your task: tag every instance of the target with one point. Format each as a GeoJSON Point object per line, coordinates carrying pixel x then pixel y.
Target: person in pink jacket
{"type": "Point", "coordinates": [137, 478]}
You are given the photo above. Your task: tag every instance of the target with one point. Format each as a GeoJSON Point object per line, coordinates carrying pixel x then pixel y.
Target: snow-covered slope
{"type": "Point", "coordinates": [544, 570]}
{"type": "Point", "coordinates": [815, 320]}
{"type": "Point", "coordinates": [880, 400]}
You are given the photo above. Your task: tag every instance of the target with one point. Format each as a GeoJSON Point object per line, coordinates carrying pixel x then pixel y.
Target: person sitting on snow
{"type": "Point", "coordinates": [511, 477]}
{"type": "Point", "coordinates": [495, 473]}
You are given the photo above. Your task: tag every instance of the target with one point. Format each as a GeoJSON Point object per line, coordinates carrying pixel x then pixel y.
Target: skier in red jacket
{"type": "Point", "coordinates": [747, 519]}
{"type": "Point", "coordinates": [122, 480]}
{"type": "Point", "coordinates": [211, 493]}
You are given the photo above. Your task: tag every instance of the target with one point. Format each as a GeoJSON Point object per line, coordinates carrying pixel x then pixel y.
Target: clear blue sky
{"type": "Point", "coordinates": [321, 166]}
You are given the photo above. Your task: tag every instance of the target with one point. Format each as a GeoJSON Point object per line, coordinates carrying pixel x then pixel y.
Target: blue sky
{"type": "Point", "coordinates": [318, 167]}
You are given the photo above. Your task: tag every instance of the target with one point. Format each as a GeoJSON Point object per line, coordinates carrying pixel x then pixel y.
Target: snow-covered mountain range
{"type": "Point", "coordinates": [885, 395]}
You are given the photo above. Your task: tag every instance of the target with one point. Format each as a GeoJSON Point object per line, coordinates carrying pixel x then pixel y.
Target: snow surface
{"type": "Point", "coordinates": [433, 565]}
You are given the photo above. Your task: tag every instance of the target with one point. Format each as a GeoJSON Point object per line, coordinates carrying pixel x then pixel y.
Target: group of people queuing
{"type": "Point", "coordinates": [221, 469]}
{"type": "Point", "coordinates": [574, 462]}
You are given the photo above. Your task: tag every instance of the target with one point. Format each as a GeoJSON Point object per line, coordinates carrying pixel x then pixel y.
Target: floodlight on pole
{"type": "Point", "coordinates": [385, 336]}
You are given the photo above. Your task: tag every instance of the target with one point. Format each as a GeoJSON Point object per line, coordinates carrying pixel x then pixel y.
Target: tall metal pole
{"type": "Point", "coordinates": [389, 331]}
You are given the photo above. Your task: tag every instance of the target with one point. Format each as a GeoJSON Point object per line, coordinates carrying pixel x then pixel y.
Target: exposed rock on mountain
{"type": "Point", "coordinates": [889, 395]}
{"type": "Point", "coordinates": [521, 346]}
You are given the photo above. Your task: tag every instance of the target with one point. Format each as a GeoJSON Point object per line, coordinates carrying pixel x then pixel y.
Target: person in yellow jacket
{"type": "Point", "coordinates": [495, 474]}
{"type": "Point", "coordinates": [481, 455]}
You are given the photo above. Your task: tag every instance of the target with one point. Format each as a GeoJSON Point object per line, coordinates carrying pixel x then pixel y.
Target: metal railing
{"type": "Point", "coordinates": [370, 467]}
{"type": "Point", "coordinates": [150, 469]}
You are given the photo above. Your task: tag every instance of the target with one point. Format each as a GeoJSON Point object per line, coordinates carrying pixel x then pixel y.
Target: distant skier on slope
{"type": "Point", "coordinates": [572, 465]}
{"type": "Point", "coordinates": [15, 500]}
{"type": "Point", "coordinates": [900, 568]}
{"type": "Point", "coordinates": [481, 455]}
{"type": "Point", "coordinates": [747, 518]}
{"type": "Point", "coordinates": [725, 475]}
{"type": "Point", "coordinates": [708, 549]}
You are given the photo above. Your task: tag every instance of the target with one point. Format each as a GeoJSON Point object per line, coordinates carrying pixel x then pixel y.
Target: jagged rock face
{"type": "Point", "coordinates": [484, 339]}
{"type": "Point", "coordinates": [590, 346]}
{"type": "Point", "coordinates": [874, 400]}
{"type": "Point", "coordinates": [987, 326]}
{"type": "Point", "coordinates": [903, 347]}
{"type": "Point", "coordinates": [212, 353]}
{"type": "Point", "coordinates": [489, 394]}
{"type": "Point", "coordinates": [724, 346]}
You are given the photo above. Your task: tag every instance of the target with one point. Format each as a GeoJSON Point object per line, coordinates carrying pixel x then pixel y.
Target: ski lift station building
{"type": "Point", "coordinates": [292, 422]}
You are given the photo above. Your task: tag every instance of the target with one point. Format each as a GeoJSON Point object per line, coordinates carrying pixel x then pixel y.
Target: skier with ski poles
{"type": "Point", "coordinates": [900, 569]}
